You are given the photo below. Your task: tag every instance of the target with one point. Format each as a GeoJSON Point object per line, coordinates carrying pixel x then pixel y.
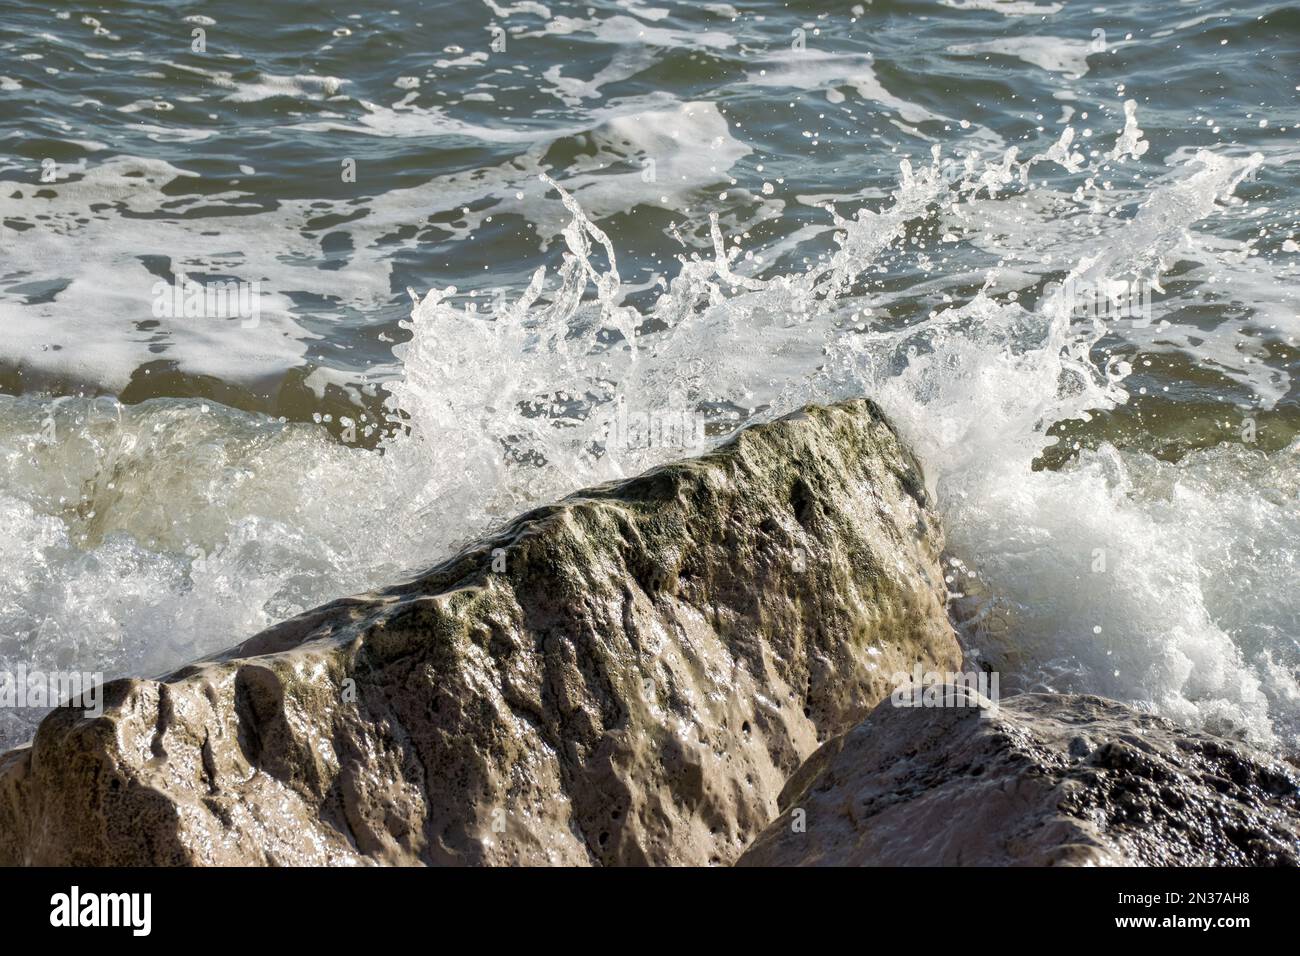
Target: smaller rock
{"type": "Point", "coordinates": [1043, 779]}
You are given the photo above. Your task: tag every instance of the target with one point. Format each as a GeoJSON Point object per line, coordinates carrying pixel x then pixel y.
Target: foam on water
{"type": "Point", "coordinates": [144, 536]}
{"type": "Point", "coordinates": [71, 264]}
{"type": "Point", "coordinates": [819, 69]}
{"type": "Point", "coordinates": [1054, 54]}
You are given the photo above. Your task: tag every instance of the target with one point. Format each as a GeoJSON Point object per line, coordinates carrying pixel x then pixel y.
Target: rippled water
{"type": "Point", "coordinates": [694, 215]}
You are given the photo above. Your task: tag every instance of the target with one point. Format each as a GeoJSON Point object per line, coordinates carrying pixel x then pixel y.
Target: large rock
{"type": "Point", "coordinates": [1051, 779]}
{"type": "Point", "coordinates": [655, 659]}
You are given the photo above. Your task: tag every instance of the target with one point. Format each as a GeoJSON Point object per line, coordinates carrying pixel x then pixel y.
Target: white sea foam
{"type": "Point", "coordinates": [1008, 8]}
{"type": "Point", "coordinates": [811, 69]}
{"type": "Point", "coordinates": [144, 536]}
{"type": "Point", "coordinates": [1054, 54]}
{"type": "Point", "coordinates": [90, 329]}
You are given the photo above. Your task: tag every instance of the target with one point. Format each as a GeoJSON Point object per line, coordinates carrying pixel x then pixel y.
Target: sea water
{"type": "Point", "coordinates": [475, 257]}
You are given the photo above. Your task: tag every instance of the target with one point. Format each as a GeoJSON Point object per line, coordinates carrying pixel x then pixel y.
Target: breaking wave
{"type": "Point", "coordinates": [141, 536]}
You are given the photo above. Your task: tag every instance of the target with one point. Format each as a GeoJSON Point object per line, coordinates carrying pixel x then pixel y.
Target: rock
{"type": "Point", "coordinates": [628, 676]}
{"type": "Point", "coordinates": [1050, 779]}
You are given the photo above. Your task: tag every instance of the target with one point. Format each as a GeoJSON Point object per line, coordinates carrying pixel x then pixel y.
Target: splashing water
{"type": "Point", "coordinates": [143, 536]}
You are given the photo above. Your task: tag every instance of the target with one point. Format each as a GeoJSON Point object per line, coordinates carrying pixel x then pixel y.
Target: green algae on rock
{"type": "Point", "coordinates": [627, 676]}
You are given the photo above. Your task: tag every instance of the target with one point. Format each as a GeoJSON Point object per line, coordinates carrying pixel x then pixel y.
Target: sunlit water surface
{"type": "Point", "coordinates": [699, 212]}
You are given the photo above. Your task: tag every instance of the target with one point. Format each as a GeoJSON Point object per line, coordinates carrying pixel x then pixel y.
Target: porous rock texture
{"type": "Point", "coordinates": [657, 657]}
{"type": "Point", "coordinates": [1051, 779]}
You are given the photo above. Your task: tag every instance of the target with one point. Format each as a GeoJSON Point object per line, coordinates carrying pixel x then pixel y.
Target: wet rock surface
{"type": "Point", "coordinates": [1051, 779]}
{"type": "Point", "coordinates": [628, 676]}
